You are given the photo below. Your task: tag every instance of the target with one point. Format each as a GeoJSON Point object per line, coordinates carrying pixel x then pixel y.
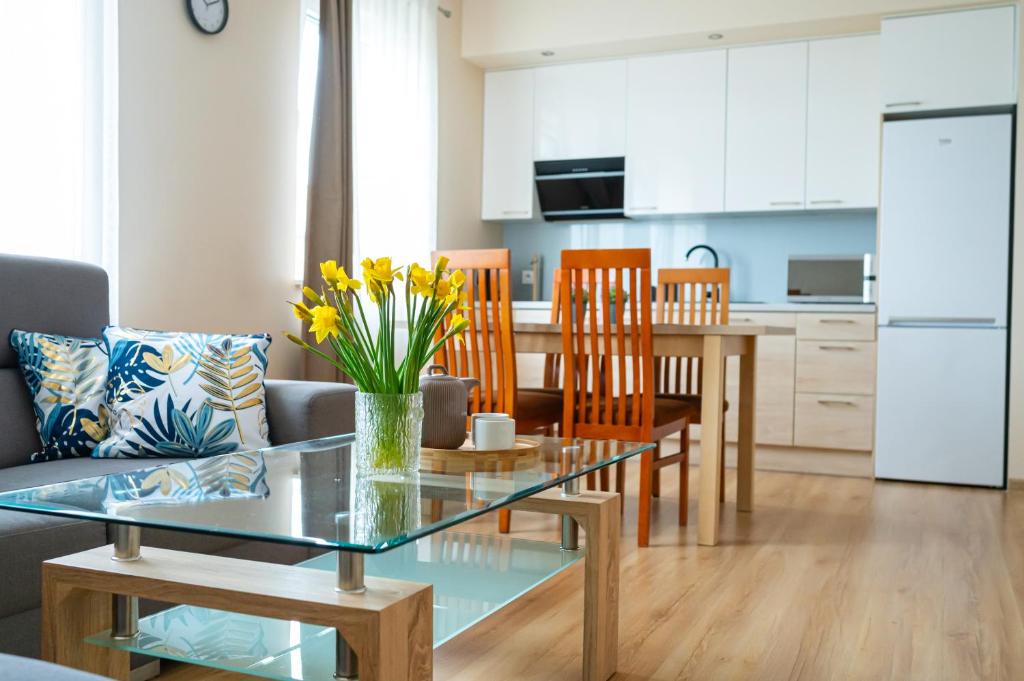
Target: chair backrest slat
{"type": "Point", "coordinates": [607, 343]}
{"type": "Point", "coordinates": [488, 353]}
{"type": "Point", "coordinates": [689, 296]}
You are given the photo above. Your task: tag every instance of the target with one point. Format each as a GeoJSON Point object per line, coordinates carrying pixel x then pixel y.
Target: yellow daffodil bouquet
{"type": "Point", "coordinates": [387, 425]}
{"type": "Point", "coordinates": [336, 314]}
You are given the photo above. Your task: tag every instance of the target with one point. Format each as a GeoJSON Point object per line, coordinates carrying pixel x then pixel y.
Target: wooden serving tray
{"type": "Point", "coordinates": [467, 459]}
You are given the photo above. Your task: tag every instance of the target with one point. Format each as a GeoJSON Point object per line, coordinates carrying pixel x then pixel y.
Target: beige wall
{"type": "Point", "coordinates": [513, 32]}
{"type": "Point", "coordinates": [207, 171]}
{"type": "Point", "coordinates": [460, 108]}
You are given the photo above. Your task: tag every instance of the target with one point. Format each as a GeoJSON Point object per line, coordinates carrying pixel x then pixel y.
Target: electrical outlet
{"type": "Point", "coordinates": [528, 277]}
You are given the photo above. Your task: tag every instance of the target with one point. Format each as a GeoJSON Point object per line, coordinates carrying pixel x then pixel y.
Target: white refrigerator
{"type": "Point", "coordinates": [943, 296]}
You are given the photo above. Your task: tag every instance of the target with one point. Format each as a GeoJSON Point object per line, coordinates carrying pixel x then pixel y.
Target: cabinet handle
{"type": "Point", "coordinates": [836, 321]}
{"type": "Point", "coordinates": [843, 348]}
{"type": "Point", "coordinates": [643, 208]}
{"type": "Point", "coordinates": [891, 104]}
{"type": "Point", "coordinates": [821, 202]}
{"type": "Point", "coordinates": [514, 212]}
{"type": "Point", "coordinates": [785, 203]}
{"type": "Point", "coordinates": [837, 403]}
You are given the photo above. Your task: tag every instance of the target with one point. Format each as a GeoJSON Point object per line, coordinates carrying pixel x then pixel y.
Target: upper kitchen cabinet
{"type": "Point", "coordinates": [580, 111]}
{"type": "Point", "coordinates": [843, 125]}
{"type": "Point", "coordinates": [766, 128]}
{"type": "Point", "coordinates": [508, 146]}
{"type": "Point", "coordinates": [675, 134]}
{"type": "Point", "coordinates": [951, 60]}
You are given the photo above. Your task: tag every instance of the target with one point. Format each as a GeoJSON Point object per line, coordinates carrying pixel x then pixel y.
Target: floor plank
{"type": "Point", "coordinates": [830, 578]}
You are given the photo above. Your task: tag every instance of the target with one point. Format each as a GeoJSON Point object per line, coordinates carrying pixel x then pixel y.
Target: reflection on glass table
{"type": "Point", "coordinates": [309, 494]}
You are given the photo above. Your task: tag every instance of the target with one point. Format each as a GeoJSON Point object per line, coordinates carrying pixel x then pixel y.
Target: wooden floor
{"type": "Point", "coordinates": [830, 578]}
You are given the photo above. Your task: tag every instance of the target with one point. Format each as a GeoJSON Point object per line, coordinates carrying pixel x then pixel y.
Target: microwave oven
{"type": "Point", "coordinates": [831, 279]}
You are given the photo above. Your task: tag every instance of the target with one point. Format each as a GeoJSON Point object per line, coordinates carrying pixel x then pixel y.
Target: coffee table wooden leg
{"type": "Point", "coordinates": [69, 615]}
{"type": "Point", "coordinates": [598, 514]}
{"type": "Point", "coordinates": [389, 626]}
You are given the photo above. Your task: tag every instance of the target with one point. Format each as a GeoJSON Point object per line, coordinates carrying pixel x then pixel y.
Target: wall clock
{"type": "Point", "coordinates": [209, 16]}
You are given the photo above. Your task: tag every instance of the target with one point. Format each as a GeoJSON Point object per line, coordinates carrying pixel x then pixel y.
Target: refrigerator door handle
{"type": "Point", "coordinates": [942, 321]}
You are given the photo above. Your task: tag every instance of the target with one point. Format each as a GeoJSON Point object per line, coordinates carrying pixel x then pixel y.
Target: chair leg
{"type": "Point", "coordinates": [620, 484]}
{"type": "Point", "coordinates": [643, 521]}
{"type": "Point", "coordinates": [603, 476]}
{"type": "Point", "coordinates": [684, 478]}
{"type": "Point", "coordinates": [504, 520]}
{"type": "Point", "coordinates": [721, 468]}
{"type": "Point", "coordinates": [656, 480]}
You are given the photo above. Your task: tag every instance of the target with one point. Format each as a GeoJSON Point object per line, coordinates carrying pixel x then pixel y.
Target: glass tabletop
{"type": "Point", "coordinates": [309, 493]}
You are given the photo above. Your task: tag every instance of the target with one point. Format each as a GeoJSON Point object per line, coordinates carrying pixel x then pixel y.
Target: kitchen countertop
{"type": "Point", "coordinates": [741, 307]}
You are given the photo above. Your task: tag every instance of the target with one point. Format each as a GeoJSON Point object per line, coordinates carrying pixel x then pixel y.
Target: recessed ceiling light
{"type": "Point", "coordinates": [547, 53]}
{"type": "Point", "coordinates": [715, 36]}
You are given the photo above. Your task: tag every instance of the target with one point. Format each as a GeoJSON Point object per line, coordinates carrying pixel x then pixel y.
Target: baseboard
{"type": "Point", "coordinates": [1016, 485]}
{"type": "Point", "coordinates": [800, 460]}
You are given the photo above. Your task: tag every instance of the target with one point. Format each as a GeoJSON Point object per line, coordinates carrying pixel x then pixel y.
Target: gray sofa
{"type": "Point", "coordinates": [70, 298]}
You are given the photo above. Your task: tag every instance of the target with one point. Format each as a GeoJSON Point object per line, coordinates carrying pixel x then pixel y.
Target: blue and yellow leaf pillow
{"type": "Point", "coordinates": [66, 378]}
{"type": "Point", "coordinates": [184, 394]}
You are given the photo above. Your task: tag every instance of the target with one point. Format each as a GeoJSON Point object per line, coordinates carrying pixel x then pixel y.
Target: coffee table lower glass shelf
{"type": "Point", "coordinates": [473, 576]}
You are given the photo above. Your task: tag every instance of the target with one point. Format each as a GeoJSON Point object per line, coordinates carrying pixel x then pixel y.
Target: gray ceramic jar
{"type": "Point", "coordinates": [445, 400]}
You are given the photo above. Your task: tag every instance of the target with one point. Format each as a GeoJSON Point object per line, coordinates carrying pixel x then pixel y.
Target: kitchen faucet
{"type": "Point", "coordinates": [705, 247]}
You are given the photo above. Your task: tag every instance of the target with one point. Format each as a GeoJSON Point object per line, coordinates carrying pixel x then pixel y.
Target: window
{"type": "Point", "coordinates": [58, 130]}
{"type": "Point", "coordinates": [394, 101]}
{"type": "Point", "coordinates": [309, 56]}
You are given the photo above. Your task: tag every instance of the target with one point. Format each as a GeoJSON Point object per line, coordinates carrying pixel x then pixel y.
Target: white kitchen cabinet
{"type": "Point", "coordinates": [766, 128]}
{"type": "Point", "coordinates": [508, 145]}
{"type": "Point", "coordinates": [675, 134]}
{"type": "Point", "coordinates": [843, 123]}
{"type": "Point", "coordinates": [580, 110]}
{"type": "Point", "coordinates": [951, 60]}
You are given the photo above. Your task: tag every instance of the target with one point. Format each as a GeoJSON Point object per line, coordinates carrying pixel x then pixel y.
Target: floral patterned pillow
{"type": "Point", "coordinates": [184, 394]}
{"type": "Point", "coordinates": [65, 378]}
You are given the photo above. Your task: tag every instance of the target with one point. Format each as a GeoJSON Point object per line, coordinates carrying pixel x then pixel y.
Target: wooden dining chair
{"type": "Point", "coordinates": [608, 383]}
{"type": "Point", "coordinates": [488, 351]}
{"type": "Point", "coordinates": [696, 295]}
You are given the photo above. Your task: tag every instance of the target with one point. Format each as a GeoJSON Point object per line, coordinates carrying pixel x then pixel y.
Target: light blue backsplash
{"type": "Point", "coordinates": [756, 247]}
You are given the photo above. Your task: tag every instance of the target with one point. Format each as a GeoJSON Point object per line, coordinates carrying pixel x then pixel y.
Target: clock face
{"type": "Point", "coordinates": [209, 16]}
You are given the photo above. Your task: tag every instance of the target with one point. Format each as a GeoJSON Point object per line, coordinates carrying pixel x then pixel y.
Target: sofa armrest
{"type": "Point", "coordinates": [306, 410]}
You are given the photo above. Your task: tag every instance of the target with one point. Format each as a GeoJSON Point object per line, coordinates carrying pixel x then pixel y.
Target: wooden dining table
{"type": "Point", "coordinates": [713, 343]}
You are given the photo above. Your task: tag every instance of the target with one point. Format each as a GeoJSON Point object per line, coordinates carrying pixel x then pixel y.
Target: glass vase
{"type": "Point", "coordinates": [388, 430]}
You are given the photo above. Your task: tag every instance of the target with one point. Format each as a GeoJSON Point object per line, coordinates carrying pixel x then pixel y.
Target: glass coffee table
{"type": "Point", "coordinates": [397, 578]}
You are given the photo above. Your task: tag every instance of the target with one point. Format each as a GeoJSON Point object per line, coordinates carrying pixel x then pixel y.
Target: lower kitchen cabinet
{"type": "Point", "coordinates": [776, 358]}
{"type": "Point", "coordinates": [830, 421]}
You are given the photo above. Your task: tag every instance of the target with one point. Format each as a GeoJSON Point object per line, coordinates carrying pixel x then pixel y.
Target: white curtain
{"type": "Point", "coordinates": [58, 131]}
{"type": "Point", "coordinates": [394, 60]}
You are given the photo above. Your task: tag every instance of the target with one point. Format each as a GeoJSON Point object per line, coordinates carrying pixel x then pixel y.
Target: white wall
{"type": "Point", "coordinates": [459, 141]}
{"type": "Point", "coordinates": [1016, 425]}
{"type": "Point", "coordinates": [207, 155]}
{"type": "Point", "coordinates": [513, 32]}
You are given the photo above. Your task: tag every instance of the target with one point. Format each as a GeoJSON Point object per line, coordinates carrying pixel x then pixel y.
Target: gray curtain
{"type": "Point", "coordinates": [329, 228]}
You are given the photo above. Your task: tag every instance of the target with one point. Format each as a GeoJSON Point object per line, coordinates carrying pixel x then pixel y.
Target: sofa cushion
{"type": "Point", "coordinates": [17, 423]}
{"type": "Point", "coordinates": [184, 394]}
{"type": "Point", "coordinates": [27, 539]}
{"type": "Point", "coordinates": [66, 377]}
{"type": "Point", "coordinates": [54, 296]}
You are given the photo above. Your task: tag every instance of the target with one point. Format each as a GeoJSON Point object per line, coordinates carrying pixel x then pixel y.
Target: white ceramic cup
{"type": "Point", "coordinates": [493, 431]}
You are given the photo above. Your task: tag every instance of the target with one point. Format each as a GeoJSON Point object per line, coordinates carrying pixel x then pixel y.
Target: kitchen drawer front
{"type": "Point", "coordinates": [846, 367]}
{"type": "Point", "coordinates": [833, 421]}
{"type": "Point", "coordinates": [776, 356]}
{"type": "Point", "coordinates": [835, 326]}
{"type": "Point", "coordinates": [766, 318]}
